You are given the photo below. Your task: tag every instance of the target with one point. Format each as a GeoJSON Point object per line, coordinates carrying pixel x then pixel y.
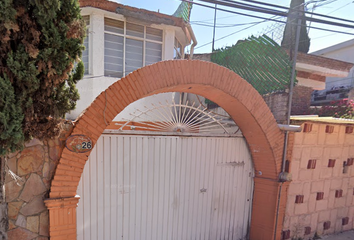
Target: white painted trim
{"type": "Point", "coordinates": [320, 70]}
{"type": "Point", "coordinates": [316, 85]}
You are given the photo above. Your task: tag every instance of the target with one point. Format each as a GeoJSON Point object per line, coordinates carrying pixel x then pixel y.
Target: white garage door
{"type": "Point", "coordinates": [137, 187]}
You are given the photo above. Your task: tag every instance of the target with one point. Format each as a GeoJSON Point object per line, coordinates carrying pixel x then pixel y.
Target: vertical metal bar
{"type": "Point", "coordinates": [291, 87]}
{"type": "Point", "coordinates": [212, 47]}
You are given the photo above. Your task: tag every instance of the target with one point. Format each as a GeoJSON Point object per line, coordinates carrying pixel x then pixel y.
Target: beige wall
{"type": "Point", "coordinates": [320, 146]}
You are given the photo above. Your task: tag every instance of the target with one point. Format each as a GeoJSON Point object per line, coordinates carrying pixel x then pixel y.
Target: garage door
{"type": "Point", "coordinates": [139, 187]}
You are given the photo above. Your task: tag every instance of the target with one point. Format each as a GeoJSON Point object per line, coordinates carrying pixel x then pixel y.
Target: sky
{"type": "Point", "coordinates": [232, 27]}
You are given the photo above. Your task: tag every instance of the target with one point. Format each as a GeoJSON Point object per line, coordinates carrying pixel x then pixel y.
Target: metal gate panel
{"type": "Point", "coordinates": [138, 187]}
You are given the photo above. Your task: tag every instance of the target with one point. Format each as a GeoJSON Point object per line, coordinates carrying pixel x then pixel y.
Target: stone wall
{"type": "Point", "coordinates": [320, 197]}
{"type": "Point", "coordinates": [27, 182]}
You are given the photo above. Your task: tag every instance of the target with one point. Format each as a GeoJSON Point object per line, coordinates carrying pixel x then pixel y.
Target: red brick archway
{"type": "Point", "coordinates": [216, 83]}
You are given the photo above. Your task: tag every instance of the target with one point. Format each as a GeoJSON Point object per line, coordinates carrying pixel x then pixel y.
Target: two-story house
{"type": "Point", "coordinates": [121, 39]}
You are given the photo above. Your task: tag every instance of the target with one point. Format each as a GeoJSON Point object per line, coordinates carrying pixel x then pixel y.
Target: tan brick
{"type": "Point", "coordinates": [305, 156]}
{"type": "Point", "coordinates": [331, 138]}
{"type": "Point", "coordinates": [310, 139]}
{"type": "Point", "coordinates": [316, 175]}
{"type": "Point", "coordinates": [324, 216]}
{"type": "Point", "coordinates": [351, 148]}
{"type": "Point", "coordinates": [327, 187]}
{"type": "Point", "coordinates": [297, 152]}
{"type": "Point", "coordinates": [340, 202]}
{"type": "Point", "coordinates": [321, 205]}
{"type": "Point", "coordinates": [345, 183]}
{"type": "Point", "coordinates": [305, 174]}
{"type": "Point", "coordinates": [334, 216]}
{"type": "Point", "coordinates": [290, 207]}
{"type": "Point", "coordinates": [312, 202]}
{"type": "Point", "coordinates": [326, 173]}
{"type": "Point", "coordinates": [331, 198]}
{"type": "Point", "coordinates": [343, 212]}
{"type": "Point", "coordinates": [338, 169]}
{"type": "Point", "coordinates": [298, 139]}
{"type": "Point", "coordinates": [295, 165]}
{"type": "Point", "coordinates": [314, 220]}
{"type": "Point", "coordinates": [319, 228]}
{"type": "Point", "coordinates": [338, 225]}
{"type": "Point", "coordinates": [294, 220]}
{"type": "Point", "coordinates": [316, 152]}
{"type": "Point", "coordinates": [345, 152]}
{"type": "Point", "coordinates": [350, 198]}
{"type": "Point", "coordinates": [336, 184]}
{"type": "Point", "coordinates": [301, 208]}
{"type": "Point", "coordinates": [321, 134]}
{"type": "Point", "coordinates": [317, 186]}
{"type": "Point", "coordinates": [351, 182]}
{"type": "Point", "coordinates": [295, 188]}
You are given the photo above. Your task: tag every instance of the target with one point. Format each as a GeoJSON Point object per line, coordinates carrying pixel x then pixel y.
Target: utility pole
{"type": "Point", "coordinates": [297, 17]}
{"type": "Point", "coordinates": [212, 47]}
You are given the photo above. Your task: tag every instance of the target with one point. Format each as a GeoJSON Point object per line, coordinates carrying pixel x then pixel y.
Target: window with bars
{"type": "Point", "coordinates": [129, 46]}
{"type": "Point", "coordinates": [85, 53]}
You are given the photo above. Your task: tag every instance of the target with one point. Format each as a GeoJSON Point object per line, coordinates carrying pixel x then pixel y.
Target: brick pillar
{"type": "Point", "coordinates": [62, 217]}
{"type": "Point", "coordinates": [264, 208]}
{"type": "Point", "coordinates": [301, 100]}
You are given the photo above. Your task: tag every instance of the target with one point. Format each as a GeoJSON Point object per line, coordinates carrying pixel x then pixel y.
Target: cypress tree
{"type": "Point", "coordinates": [289, 34]}
{"type": "Point", "coordinates": [40, 45]}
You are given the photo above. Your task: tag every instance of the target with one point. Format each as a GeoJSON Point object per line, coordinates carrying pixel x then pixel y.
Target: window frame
{"type": "Point", "coordinates": [87, 19]}
{"type": "Point", "coordinates": [125, 36]}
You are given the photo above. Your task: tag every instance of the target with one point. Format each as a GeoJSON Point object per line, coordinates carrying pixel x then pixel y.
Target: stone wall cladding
{"type": "Point", "coordinates": [311, 183]}
{"type": "Point", "coordinates": [27, 184]}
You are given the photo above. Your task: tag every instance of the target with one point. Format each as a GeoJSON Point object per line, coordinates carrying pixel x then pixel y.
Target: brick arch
{"type": "Point", "coordinates": [246, 107]}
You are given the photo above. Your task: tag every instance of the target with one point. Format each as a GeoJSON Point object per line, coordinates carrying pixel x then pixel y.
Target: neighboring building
{"type": "Point", "coordinates": [311, 73]}
{"type": "Point", "coordinates": [336, 87]}
{"type": "Point", "coordinates": [121, 39]}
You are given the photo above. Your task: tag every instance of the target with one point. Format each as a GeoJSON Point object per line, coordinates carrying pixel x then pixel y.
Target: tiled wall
{"type": "Point", "coordinates": [320, 196]}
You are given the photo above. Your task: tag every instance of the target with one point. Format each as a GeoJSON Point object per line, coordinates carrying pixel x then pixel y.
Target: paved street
{"type": "Point", "coordinates": [348, 235]}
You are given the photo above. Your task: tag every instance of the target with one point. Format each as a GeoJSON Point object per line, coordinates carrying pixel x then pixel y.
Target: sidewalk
{"type": "Point", "coordinates": [348, 235]}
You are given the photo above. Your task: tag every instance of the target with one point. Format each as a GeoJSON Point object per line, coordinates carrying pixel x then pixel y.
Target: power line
{"type": "Point", "coordinates": [269, 19]}
{"type": "Point", "coordinates": [226, 36]}
{"type": "Point", "coordinates": [248, 7]}
{"type": "Point", "coordinates": [254, 16]}
{"type": "Point", "coordinates": [286, 8]}
{"type": "Point", "coordinates": [340, 7]}
{"type": "Point", "coordinates": [224, 25]}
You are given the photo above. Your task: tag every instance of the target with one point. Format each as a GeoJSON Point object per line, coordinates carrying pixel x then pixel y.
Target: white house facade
{"type": "Point", "coordinates": [121, 39]}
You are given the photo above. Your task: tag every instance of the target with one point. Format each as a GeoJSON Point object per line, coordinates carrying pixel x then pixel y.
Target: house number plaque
{"type": "Point", "coordinates": [78, 143]}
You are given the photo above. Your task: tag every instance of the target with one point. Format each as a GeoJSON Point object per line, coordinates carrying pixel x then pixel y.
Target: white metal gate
{"type": "Point", "coordinates": [137, 187]}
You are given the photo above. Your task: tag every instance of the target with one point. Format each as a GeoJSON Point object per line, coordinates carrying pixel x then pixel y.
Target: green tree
{"type": "Point", "coordinates": [296, 10]}
{"type": "Point", "coordinates": [40, 46]}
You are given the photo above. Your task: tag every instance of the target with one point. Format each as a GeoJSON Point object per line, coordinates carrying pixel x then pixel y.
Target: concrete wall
{"type": "Point", "coordinates": [321, 147]}
{"type": "Point", "coordinates": [27, 184]}
{"type": "Point", "coordinates": [278, 105]}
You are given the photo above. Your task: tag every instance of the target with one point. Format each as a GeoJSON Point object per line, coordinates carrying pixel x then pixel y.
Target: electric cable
{"type": "Point", "coordinates": [273, 12]}
{"type": "Point", "coordinates": [287, 8]}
